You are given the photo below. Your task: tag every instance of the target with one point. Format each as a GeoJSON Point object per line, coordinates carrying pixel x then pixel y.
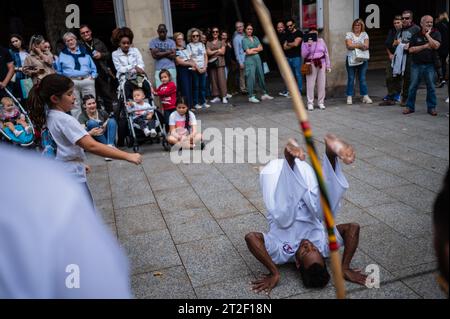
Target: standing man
{"type": "Point", "coordinates": [6, 71]}
{"type": "Point", "coordinates": [404, 36]}
{"type": "Point", "coordinates": [292, 48]}
{"type": "Point", "coordinates": [422, 50]}
{"type": "Point", "coordinates": [393, 83]}
{"type": "Point", "coordinates": [240, 54]}
{"type": "Point", "coordinates": [101, 55]}
{"type": "Point", "coordinates": [281, 33]}
{"type": "Point", "coordinates": [163, 50]}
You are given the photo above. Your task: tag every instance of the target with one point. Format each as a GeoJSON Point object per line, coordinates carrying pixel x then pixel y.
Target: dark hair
{"type": "Point", "coordinates": [120, 33]}
{"type": "Point", "coordinates": [87, 98]}
{"type": "Point", "coordinates": [312, 29]}
{"type": "Point", "coordinates": [40, 96]}
{"type": "Point", "coordinates": [22, 44]}
{"type": "Point", "coordinates": [290, 20]}
{"type": "Point", "coordinates": [315, 276]}
{"type": "Point", "coordinates": [440, 221]}
{"type": "Point", "coordinates": [166, 72]}
{"type": "Point", "coordinates": [181, 100]}
{"type": "Point", "coordinates": [85, 26]}
{"type": "Point", "coordinates": [408, 12]}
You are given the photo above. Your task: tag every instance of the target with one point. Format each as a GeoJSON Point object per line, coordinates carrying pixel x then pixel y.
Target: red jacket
{"type": "Point", "coordinates": [168, 94]}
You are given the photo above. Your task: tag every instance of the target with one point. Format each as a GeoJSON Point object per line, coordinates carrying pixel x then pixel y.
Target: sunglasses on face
{"type": "Point", "coordinates": [196, 36]}
{"type": "Point", "coordinates": [215, 32]}
{"type": "Point", "coordinates": [290, 26]}
{"type": "Point", "coordinates": [406, 18]}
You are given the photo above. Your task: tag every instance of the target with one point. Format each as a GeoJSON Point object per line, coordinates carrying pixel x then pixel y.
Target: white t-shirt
{"type": "Point", "coordinates": [66, 132]}
{"type": "Point", "coordinates": [294, 210]}
{"type": "Point", "coordinates": [48, 225]}
{"type": "Point", "coordinates": [356, 40]}
{"type": "Point", "coordinates": [179, 121]}
{"type": "Point", "coordinates": [197, 51]}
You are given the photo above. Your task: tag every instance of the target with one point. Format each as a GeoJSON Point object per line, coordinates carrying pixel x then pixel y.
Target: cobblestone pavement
{"type": "Point", "coordinates": [183, 226]}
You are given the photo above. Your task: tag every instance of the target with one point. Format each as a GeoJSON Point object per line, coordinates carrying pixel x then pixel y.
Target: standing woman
{"type": "Point", "coordinates": [253, 65]}
{"type": "Point", "coordinates": [357, 39]}
{"type": "Point", "coordinates": [232, 67]}
{"type": "Point", "coordinates": [185, 65]}
{"type": "Point", "coordinates": [19, 54]}
{"type": "Point", "coordinates": [216, 67]}
{"type": "Point", "coordinates": [75, 63]}
{"type": "Point", "coordinates": [40, 62]}
{"type": "Point", "coordinates": [197, 51]}
{"type": "Point", "coordinates": [442, 26]}
{"type": "Point", "coordinates": [315, 52]}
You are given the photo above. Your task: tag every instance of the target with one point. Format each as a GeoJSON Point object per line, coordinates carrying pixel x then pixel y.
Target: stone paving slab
{"type": "Point", "coordinates": [210, 261]}
{"type": "Point", "coordinates": [151, 251]}
{"type": "Point", "coordinates": [139, 219]}
{"type": "Point", "coordinates": [169, 283]}
{"type": "Point", "coordinates": [425, 286]}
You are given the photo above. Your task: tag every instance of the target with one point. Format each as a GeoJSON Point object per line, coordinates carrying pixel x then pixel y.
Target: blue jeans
{"type": "Point", "coordinates": [109, 137]}
{"type": "Point", "coordinates": [351, 75]}
{"type": "Point", "coordinates": [417, 72]}
{"type": "Point", "coordinates": [185, 84]}
{"type": "Point", "coordinates": [199, 88]}
{"type": "Point", "coordinates": [296, 66]}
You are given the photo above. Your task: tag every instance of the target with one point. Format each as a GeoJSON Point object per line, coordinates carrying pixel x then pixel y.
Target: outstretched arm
{"type": "Point", "coordinates": [256, 245]}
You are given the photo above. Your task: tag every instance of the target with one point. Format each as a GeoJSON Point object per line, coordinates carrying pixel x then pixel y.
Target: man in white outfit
{"type": "Point", "coordinates": [296, 230]}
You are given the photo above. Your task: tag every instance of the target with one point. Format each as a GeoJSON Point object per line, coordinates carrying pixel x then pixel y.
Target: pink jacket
{"type": "Point", "coordinates": [315, 51]}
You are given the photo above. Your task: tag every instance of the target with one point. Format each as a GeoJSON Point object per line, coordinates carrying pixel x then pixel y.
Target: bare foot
{"type": "Point", "coordinates": [266, 283]}
{"type": "Point", "coordinates": [339, 148]}
{"type": "Point", "coordinates": [355, 275]}
{"type": "Point", "coordinates": [293, 151]}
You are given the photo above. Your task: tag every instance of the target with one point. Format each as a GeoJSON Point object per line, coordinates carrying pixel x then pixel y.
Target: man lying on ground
{"type": "Point", "coordinates": [296, 229]}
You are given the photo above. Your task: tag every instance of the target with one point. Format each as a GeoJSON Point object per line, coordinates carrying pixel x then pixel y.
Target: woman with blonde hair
{"type": "Point", "coordinates": [184, 64]}
{"type": "Point", "coordinates": [357, 39]}
{"type": "Point", "coordinates": [197, 50]}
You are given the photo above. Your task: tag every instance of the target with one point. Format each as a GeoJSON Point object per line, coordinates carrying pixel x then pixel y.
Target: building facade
{"type": "Point", "coordinates": [334, 17]}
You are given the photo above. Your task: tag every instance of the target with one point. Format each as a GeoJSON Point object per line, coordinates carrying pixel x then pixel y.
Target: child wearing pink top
{"type": "Point", "coordinates": [315, 52]}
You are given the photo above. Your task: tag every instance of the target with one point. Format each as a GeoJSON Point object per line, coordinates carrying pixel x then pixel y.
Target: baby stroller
{"type": "Point", "coordinates": [129, 133]}
{"type": "Point", "coordinates": [26, 139]}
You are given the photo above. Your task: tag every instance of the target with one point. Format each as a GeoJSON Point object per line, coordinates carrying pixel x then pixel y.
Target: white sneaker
{"type": "Point", "coordinates": [107, 159]}
{"type": "Point", "coordinates": [266, 97]}
{"type": "Point", "coordinates": [322, 106]}
{"type": "Point", "coordinates": [215, 100]}
{"type": "Point", "coordinates": [310, 107]}
{"type": "Point", "coordinates": [147, 132]}
{"type": "Point", "coordinates": [224, 100]}
{"type": "Point", "coordinates": [198, 107]}
{"type": "Point", "coordinates": [206, 106]}
{"type": "Point", "coordinates": [229, 96]}
{"type": "Point", "coordinates": [349, 100]}
{"type": "Point", "coordinates": [284, 93]}
{"type": "Point", "coordinates": [367, 100]}
{"type": "Point", "coordinates": [253, 100]}
{"type": "Point", "coordinates": [153, 133]}
{"type": "Point", "coordinates": [446, 101]}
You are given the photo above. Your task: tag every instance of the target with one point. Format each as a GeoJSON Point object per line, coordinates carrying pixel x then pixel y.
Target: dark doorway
{"type": "Point", "coordinates": [29, 19]}
{"type": "Point", "coordinates": [17, 18]}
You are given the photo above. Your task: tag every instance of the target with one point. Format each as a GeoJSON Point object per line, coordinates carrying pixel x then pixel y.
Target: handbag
{"type": "Point", "coordinates": [25, 86]}
{"type": "Point", "coordinates": [362, 56]}
{"type": "Point", "coordinates": [213, 64]}
{"type": "Point", "coordinates": [306, 69]}
{"type": "Point", "coordinates": [266, 68]}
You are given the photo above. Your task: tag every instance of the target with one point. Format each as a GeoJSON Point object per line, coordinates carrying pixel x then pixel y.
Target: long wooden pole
{"type": "Point", "coordinates": [302, 115]}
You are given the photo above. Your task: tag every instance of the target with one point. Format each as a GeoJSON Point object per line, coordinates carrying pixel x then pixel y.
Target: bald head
{"type": "Point", "coordinates": [426, 23]}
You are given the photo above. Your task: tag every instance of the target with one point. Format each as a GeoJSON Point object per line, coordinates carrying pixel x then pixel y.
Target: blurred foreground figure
{"type": "Point", "coordinates": [440, 221]}
{"type": "Point", "coordinates": [52, 242]}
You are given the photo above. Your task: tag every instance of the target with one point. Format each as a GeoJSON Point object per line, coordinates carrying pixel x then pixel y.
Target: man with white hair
{"type": "Point", "coordinates": [75, 63]}
{"type": "Point", "coordinates": [422, 50]}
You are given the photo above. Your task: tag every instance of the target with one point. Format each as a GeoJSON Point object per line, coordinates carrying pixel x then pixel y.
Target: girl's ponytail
{"type": "Point", "coordinates": [40, 94]}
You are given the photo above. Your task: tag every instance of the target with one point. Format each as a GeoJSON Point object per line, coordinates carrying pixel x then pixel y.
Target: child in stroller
{"type": "Point", "coordinates": [12, 119]}
{"type": "Point", "coordinates": [142, 113]}
{"type": "Point", "coordinates": [15, 126]}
